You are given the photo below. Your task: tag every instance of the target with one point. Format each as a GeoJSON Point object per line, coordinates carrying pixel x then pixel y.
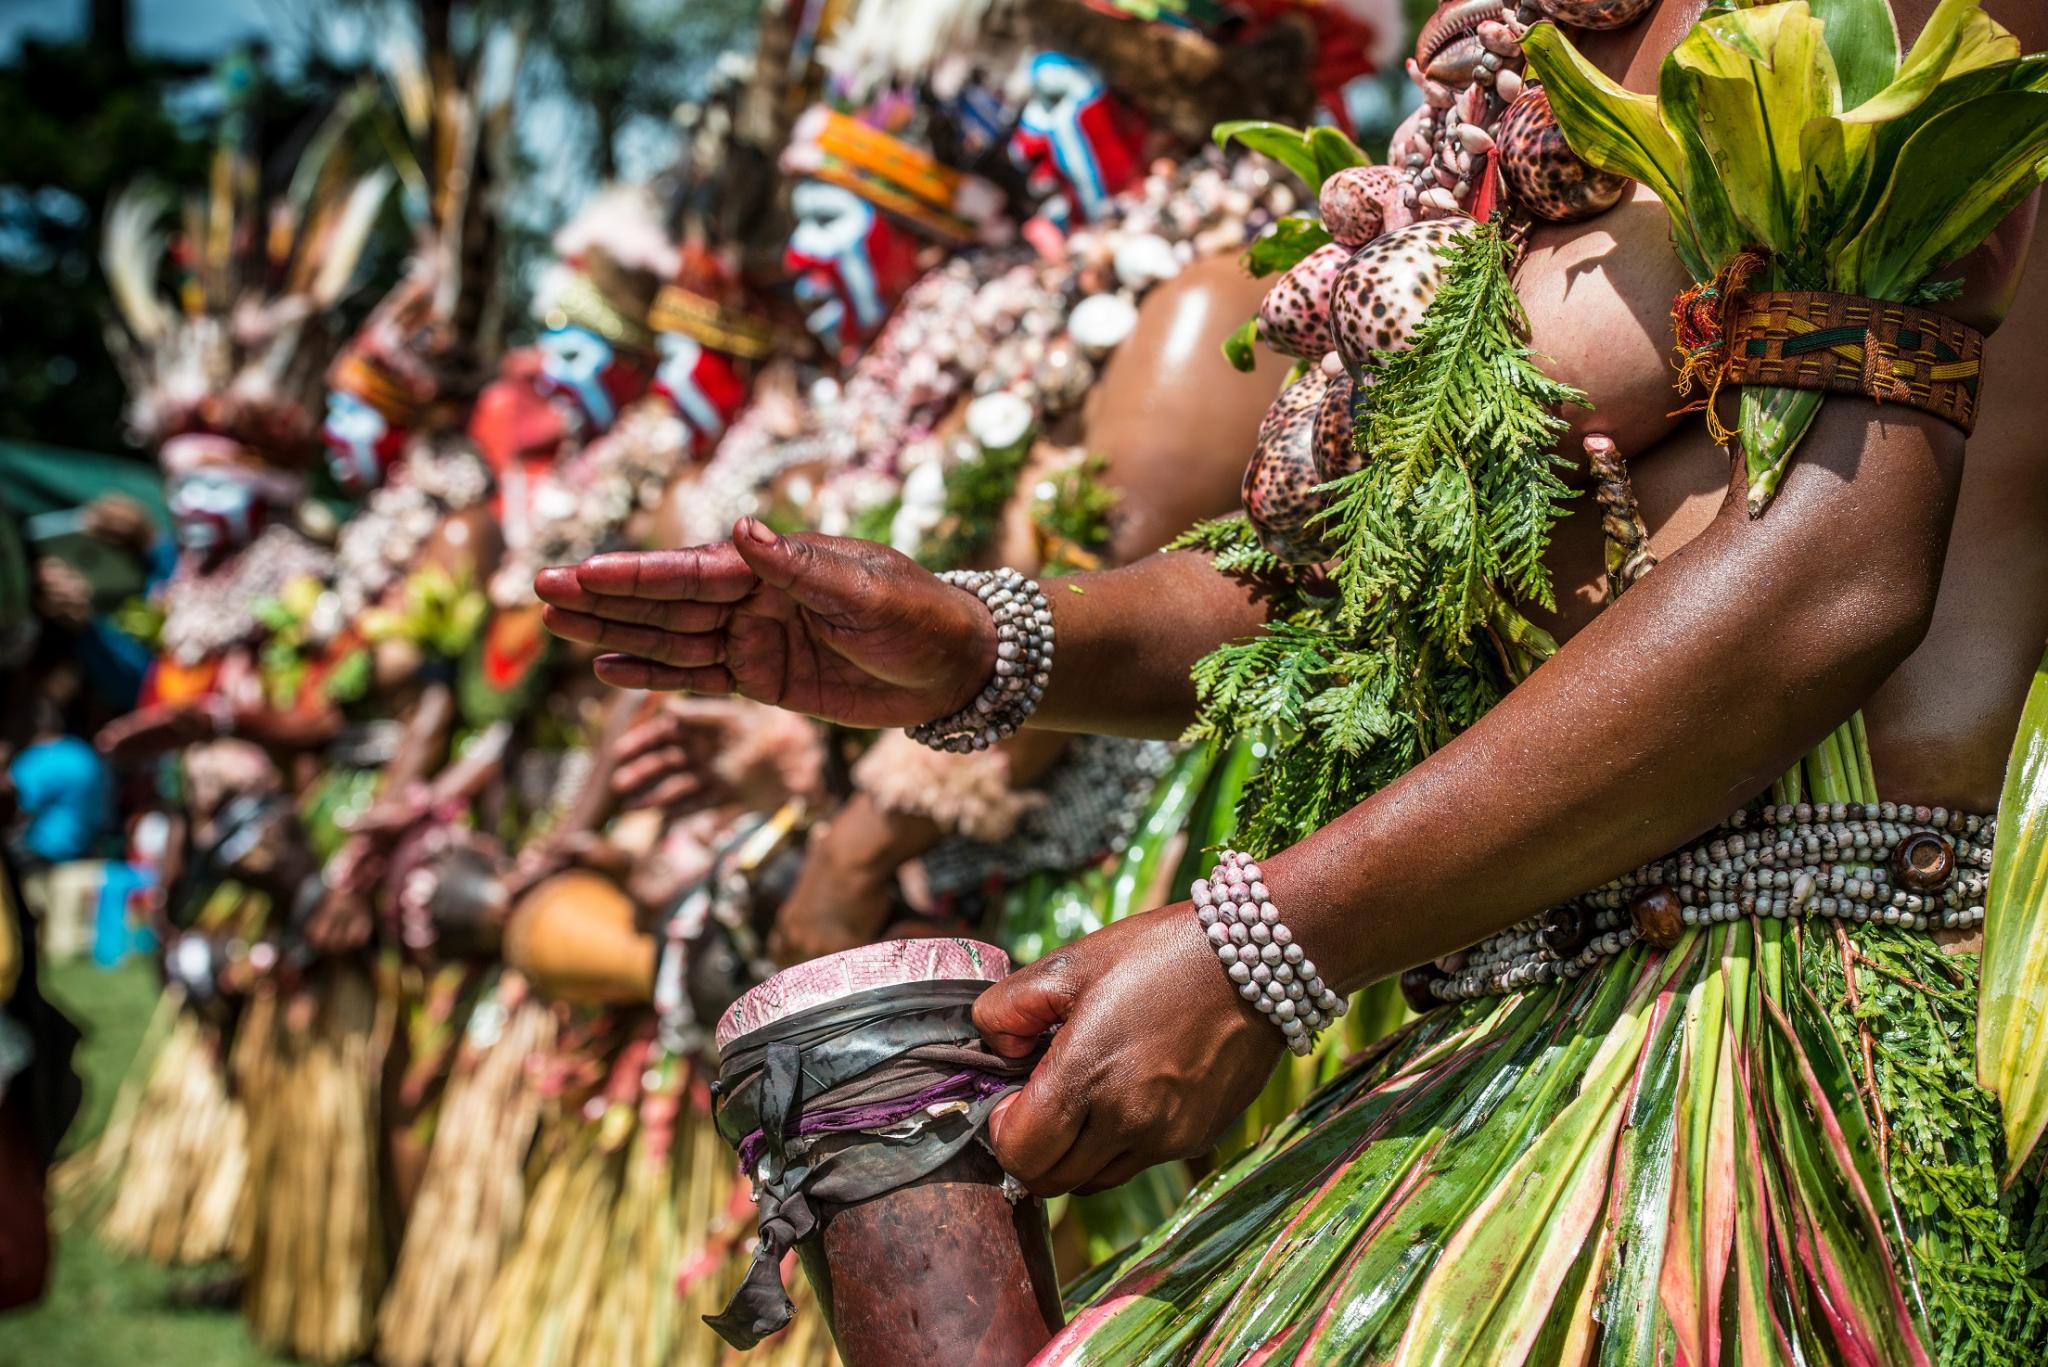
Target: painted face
{"type": "Point", "coordinates": [851, 264]}
{"type": "Point", "coordinates": [704, 386]}
{"type": "Point", "coordinates": [591, 372]}
{"type": "Point", "coordinates": [520, 424]}
{"type": "Point", "coordinates": [215, 511]}
{"type": "Point", "coordinates": [1074, 135]}
{"type": "Point", "coordinates": [362, 444]}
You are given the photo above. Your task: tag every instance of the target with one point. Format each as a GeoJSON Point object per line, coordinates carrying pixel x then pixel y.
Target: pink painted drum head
{"type": "Point", "coordinates": [856, 970]}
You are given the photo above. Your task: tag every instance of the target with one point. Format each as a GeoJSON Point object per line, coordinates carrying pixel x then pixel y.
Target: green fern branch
{"type": "Point", "coordinates": [1438, 538]}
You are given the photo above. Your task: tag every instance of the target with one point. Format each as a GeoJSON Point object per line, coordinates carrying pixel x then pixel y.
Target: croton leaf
{"type": "Point", "coordinates": [1614, 129]}
{"type": "Point", "coordinates": [1864, 39]}
{"type": "Point", "coordinates": [1955, 180]}
{"type": "Point", "coordinates": [1959, 38]}
{"type": "Point", "coordinates": [1238, 347]}
{"type": "Point", "coordinates": [1312, 153]}
{"type": "Point", "coordinates": [2012, 1013]}
{"type": "Point", "coordinates": [1291, 239]}
{"type": "Point", "coordinates": [1333, 152]}
{"type": "Point", "coordinates": [1756, 78]}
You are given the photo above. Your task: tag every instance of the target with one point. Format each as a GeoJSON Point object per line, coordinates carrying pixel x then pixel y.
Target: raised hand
{"type": "Point", "coordinates": [846, 630]}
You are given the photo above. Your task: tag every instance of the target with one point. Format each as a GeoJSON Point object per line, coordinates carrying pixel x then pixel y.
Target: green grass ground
{"type": "Point", "coordinates": [104, 1311]}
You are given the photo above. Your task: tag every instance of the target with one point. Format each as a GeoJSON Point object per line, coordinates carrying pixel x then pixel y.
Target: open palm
{"type": "Point", "coordinates": [846, 630]}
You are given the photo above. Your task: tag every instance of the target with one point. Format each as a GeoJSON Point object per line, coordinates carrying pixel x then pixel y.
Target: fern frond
{"type": "Point", "coordinates": [1438, 537]}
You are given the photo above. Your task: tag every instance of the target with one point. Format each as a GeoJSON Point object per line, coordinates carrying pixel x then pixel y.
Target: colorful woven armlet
{"type": "Point", "coordinates": [1894, 353]}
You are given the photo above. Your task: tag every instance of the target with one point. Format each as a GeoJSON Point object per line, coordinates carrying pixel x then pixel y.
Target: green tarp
{"type": "Point", "coordinates": [36, 479]}
{"type": "Point", "coordinates": [40, 485]}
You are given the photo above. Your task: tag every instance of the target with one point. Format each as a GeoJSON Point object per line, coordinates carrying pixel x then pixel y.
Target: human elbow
{"type": "Point", "coordinates": [1864, 623]}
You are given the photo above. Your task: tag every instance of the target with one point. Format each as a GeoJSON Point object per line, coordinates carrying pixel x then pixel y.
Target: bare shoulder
{"type": "Point", "coordinates": [1172, 420]}
{"type": "Point", "coordinates": [466, 544]}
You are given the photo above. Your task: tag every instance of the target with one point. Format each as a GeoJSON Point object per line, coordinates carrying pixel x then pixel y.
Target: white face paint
{"type": "Point", "coordinates": [353, 431]}
{"type": "Point", "coordinates": [576, 358]}
{"type": "Point", "coordinates": [212, 510]}
{"type": "Point", "coordinates": [830, 219]}
{"type": "Point", "coordinates": [833, 226]}
{"type": "Point", "coordinates": [1059, 87]}
{"type": "Point", "coordinates": [1062, 89]}
{"type": "Point", "coordinates": [677, 376]}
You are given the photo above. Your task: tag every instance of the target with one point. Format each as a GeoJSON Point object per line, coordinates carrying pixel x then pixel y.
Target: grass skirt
{"type": "Point", "coordinates": [635, 1224]}
{"type": "Point", "coordinates": [166, 1179]}
{"type": "Point", "coordinates": [317, 1260]}
{"type": "Point", "coordinates": [1675, 1158]}
{"type": "Point", "coordinates": [473, 1195]}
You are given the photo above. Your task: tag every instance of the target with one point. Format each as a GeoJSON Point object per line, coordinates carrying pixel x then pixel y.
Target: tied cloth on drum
{"type": "Point", "coordinates": [845, 1102]}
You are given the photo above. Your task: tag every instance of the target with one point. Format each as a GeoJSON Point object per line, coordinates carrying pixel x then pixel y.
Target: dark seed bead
{"type": "Point", "coordinates": [1415, 988]}
{"type": "Point", "coordinates": [1565, 931]}
{"type": "Point", "coordinates": [1924, 861]}
{"type": "Point", "coordinates": [1657, 916]}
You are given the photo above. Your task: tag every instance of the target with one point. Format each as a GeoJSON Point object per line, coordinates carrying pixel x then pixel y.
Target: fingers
{"type": "Point", "coordinates": [659, 787]}
{"type": "Point", "coordinates": [643, 738]}
{"type": "Point", "coordinates": [566, 595]}
{"type": "Point", "coordinates": [632, 671]}
{"type": "Point", "coordinates": [816, 571]}
{"type": "Point", "coordinates": [684, 650]}
{"type": "Point", "coordinates": [672, 791]}
{"type": "Point", "coordinates": [1033, 1131]}
{"type": "Point", "coordinates": [558, 585]}
{"type": "Point", "coordinates": [637, 771]}
{"type": "Point", "coordinates": [1016, 1012]}
{"type": "Point", "coordinates": [1119, 1171]}
{"type": "Point", "coordinates": [1094, 1150]}
{"type": "Point", "coordinates": [706, 574]}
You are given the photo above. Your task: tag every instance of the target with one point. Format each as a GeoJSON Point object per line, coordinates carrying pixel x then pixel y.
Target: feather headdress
{"type": "Point", "coordinates": [431, 341]}
{"type": "Point", "coordinates": [610, 260]}
{"type": "Point", "coordinates": [238, 343]}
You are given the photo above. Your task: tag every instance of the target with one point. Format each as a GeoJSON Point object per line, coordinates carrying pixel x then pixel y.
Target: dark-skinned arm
{"type": "Point", "coordinates": [425, 741]}
{"type": "Point", "coordinates": [284, 733]}
{"type": "Point", "coordinates": [856, 633]}
{"type": "Point", "coordinates": [1680, 702]}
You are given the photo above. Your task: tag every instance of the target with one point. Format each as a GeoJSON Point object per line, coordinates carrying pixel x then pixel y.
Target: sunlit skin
{"type": "Point", "coordinates": [1885, 576]}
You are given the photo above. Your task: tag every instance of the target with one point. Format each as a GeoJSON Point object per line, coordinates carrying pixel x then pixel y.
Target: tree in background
{"type": "Point", "coordinates": [84, 119]}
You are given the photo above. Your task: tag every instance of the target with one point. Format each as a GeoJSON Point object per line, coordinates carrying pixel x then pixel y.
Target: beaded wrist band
{"type": "Point", "coordinates": [1259, 954]}
{"type": "Point", "coordinates": [1023, 663]}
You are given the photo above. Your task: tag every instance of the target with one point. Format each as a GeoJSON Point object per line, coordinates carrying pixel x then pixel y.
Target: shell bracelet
{"type": "Point", "coordinates": [1258, 952]}
{"type": "Point", "coordinates": [1024, 641]}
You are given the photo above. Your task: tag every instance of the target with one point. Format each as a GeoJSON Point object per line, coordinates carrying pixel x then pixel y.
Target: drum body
{"type": "Point", "coordinates": [919, 1248]}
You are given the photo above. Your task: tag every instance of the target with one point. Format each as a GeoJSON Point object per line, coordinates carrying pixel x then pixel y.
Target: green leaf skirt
{"type": "Point", "coordinates": [1674, 1158]}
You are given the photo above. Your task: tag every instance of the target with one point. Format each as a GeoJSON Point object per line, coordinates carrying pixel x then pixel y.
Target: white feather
{"type": "Point", "coordinates": [343, 247]}
{"type": "Point", "coordinates": [129, 253]}
{"type": "Point", "coordinates": [884, 40]}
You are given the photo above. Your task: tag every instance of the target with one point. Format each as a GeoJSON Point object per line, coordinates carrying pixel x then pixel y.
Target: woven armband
{"type": "Point", "coordinates": [1893, 353]}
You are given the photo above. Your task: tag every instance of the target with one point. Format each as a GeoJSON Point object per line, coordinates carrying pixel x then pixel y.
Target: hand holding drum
{"type": "Point", "coordinates": [915, 1243]}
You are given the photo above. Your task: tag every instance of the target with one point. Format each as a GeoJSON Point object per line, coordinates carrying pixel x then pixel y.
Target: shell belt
{"type": "Point", "coordinates": [1917, 868]}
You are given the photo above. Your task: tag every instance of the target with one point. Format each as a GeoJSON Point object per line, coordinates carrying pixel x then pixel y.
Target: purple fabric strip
{"type": "Point", "coordinates": [969, 1087]}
